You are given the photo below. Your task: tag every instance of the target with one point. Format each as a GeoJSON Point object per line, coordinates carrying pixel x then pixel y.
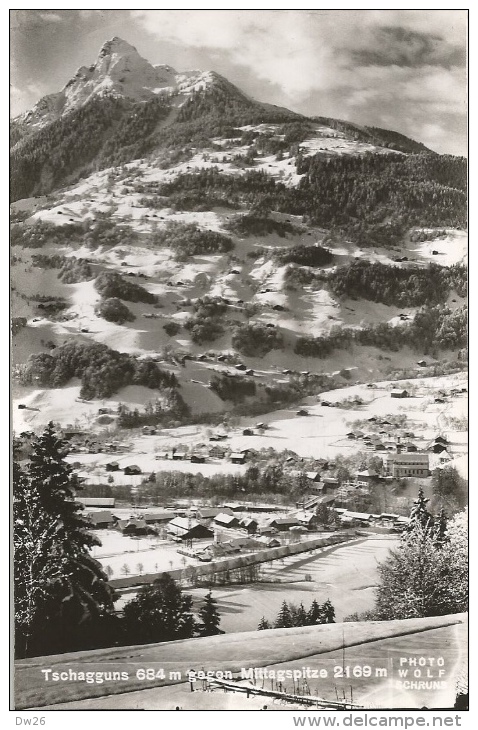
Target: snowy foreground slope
{"type": "Point", "coordinates": [284, 648]}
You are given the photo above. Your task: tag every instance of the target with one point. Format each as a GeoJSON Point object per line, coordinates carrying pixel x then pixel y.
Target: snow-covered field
{"type": "Point", "coordinates": [320, 434]}
{"type": "Point", "coordinates": [259, 281]}
{"type": "Point", "coordinates": [451, 249]}
{"type": "Point", "coordinates": [139, 555]}
{"type": "Point", "coordinates": [346, 574]}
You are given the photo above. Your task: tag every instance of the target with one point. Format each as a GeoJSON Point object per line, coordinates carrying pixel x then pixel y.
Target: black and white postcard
{"type": "Point", "coordinates": [239, 271]}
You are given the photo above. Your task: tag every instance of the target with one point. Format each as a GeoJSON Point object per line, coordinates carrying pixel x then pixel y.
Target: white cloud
{"type": "Point", "coordinates": [337, 63]}
{"type": "Point", "coordinates": [25, 97]}
{"type": "Point", "coordinates": [51, 17]}
{"type": "Point", "coordinates": [306, 51]}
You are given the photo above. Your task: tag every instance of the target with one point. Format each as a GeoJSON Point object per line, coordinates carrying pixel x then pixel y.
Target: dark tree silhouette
{"type": "Point", "coordinates": [284, 618]}
{"type": "Point", "coordinates": [160, 612]}
{"type": "Point", "coordinates": [62, 598]}
{"type": "Point", "coordinates": [419, 514]}
{"type": "Point", "coordinates": [328, 612]}
{"type": "Point", "coordinates": [209, 616]}
{"type": "Point", "coordinates": [314, 614]}
{"type": "Point", "coordinates": [299, 615]}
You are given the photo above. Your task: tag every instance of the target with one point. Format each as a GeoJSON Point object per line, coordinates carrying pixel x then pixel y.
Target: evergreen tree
{"type": "Point", "coordinates": [456, 549]}
{"type": "Point", "coordinates": [419, 514]}
{"type": "Point", "coordinates": [209, 616]}
{"type": "Point", "coordinates": [300, 615]}
{"type": "Point", "coordinates": [58, 585]}
{"type": "Point", "coordinates": [284, 618]}
{"type": "Point", "coordinates": [407, 578]}
{"type": "Point", "coordinates": [160, 612]}
{"type": "Point", "coordinates": [440, 529]}
{"type": "Point", "coordinates": [314, 614]}
{"type": "Point", "coordinates": [328, 612]}
{"type": "Point", "coordinates": [421, 578]}
{"type": "Point", "coordinates": [449, 489]}
{"type": "Point", "coordinates": [263, 624]}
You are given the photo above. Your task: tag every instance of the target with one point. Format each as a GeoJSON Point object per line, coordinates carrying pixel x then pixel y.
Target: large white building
{"type": "Point", "coordinates": [408, 465]}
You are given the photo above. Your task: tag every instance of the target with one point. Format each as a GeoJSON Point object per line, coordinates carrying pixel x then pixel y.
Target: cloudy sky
{"type": "Point", "coordinates": [399, 69]}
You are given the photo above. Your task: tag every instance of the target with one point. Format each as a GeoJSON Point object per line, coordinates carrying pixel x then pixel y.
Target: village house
{"type": "Point", "coordinates": [100, 519]}
{"type": "Point", "coordinates": [390, 445]}
{"type": "Point", "coordinates": [283, 524]}
{"type": "Point", "coordinates": [409, 447]}
{"type": "Point", "coordinates": [112, 466]}
{"type": "Point", "coordinates": [217, 452]}
{"type": "Point", "coordinates": [312, 501]}
{"type": "Point", "coordinates": [399, 393]}
{"type": "Point", "coordinates": [198, 459]}
{"type": "Point", "coordinates": [366, 476]}
{"type": "Point", "coordinates": [238, 458]}
{"type": "Point", "coordinates": [148, 430]}
{"type": "Point", "coordinates": [307, 519]}
{"type": "Point", "coordinates": [186, 529]}
{"type": "Point", "coordinates": [135, 527]}
{"type": "Point", "coordinates": [208, 513]}
{"type": "Point", "coordinates": [152, 517]}
{"type": "Point", "coordinates": [218, 437]}
{"type": "Point", "coordinates": [408, 465]}
{"type": "Point", "coordinates": [437, 448]}
{"type": "Point", "coordinates": [268, 541]}
{"type": "Point", "coordinates": [179, 455]}
{"type": "Point", "coordinates": [318, 488]}
{"type": "Point", "coordinates": [74, 433]}
{"type": "Point", "coordinates": [229, 507]}
{"type": "Point", "coordinates": [250, 525]}
{"type": "Point", "coordinates": [225, 520]}
{"type": "Point", "coordinates": [131, 470]}
{"type": "Point", "coordinates": [388, 517]}
{"type": "Point", "coordinates": [355, 518]}
{"type": "Point", "coordinates": [358, 434]}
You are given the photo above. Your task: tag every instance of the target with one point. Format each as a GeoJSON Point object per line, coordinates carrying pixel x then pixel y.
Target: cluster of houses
{"type": "Point", "coordinates": [348, 518]}
{"type": "Point", "coordinates": [82, 443]}
{"type": "Point", "coordinates": [195, 457]}
{"type": "Point", "coordinates": [382, 439]}
{"type": "Point", "coordinates": [402, 457]}
{"type": "Point", "coordinates": [202, 454]}
{"type": "Point", "coordinates": [213, 523]}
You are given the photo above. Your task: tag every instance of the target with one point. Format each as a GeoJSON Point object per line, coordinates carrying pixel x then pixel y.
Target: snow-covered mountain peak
{"type": "Point", "coordinates": [116, 46]}
{"type": "Point", "coordinates": [118, 71]}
